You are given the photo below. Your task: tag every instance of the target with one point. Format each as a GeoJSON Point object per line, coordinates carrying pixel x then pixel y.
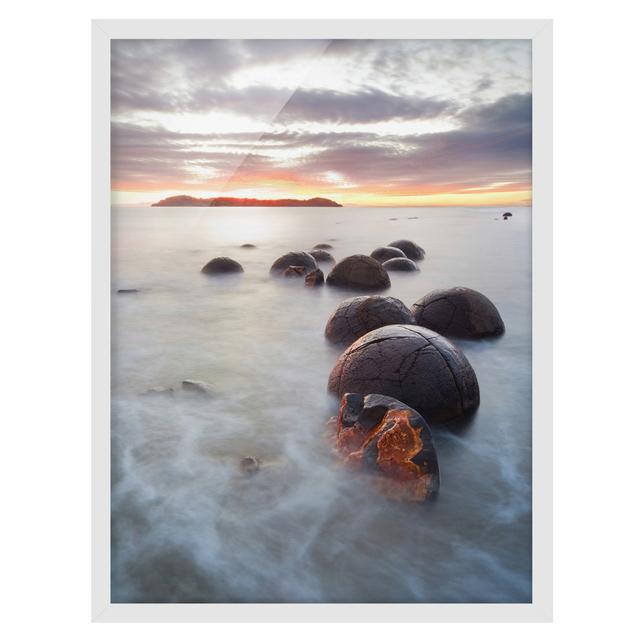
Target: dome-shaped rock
{"type": "Point", "coordinates": [410, 248]}
{"type": "Point", "coordinates": [222, 265]}
{"type": "Point", "coordinates": [322, 256]}
{"type": "Point", "coordinates": [359, 272]}
{"type": "Point", "coordinates": [314, 278]}
{"type": "Point", "coordinates": [459, 312]}
{"type": "Point", "coordinates": [323, 245]}
{"type": "Point", "coordinates": [412, 364]}
{"type": "Point", "coordinates": [380, 434]}
{"type": "Point", "coordinates": [382, 254]}
{"type": "Point", "coordinates": [400, 264]}
{"type": "Point", "coordinates": [354, 317]}
{"type": "Point", "coordinates": [248, 245]}
{"type": "Point", "coordinates": [294, 259]}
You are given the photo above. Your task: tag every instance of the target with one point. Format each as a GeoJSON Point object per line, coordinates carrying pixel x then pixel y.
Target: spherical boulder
{"type": "Point", "coordinates": [400, 264]}
{"type": "Point", "coordinates": [359, 272]}
{"type": "Point", "coordinates": [222, 265]}
{"type": "Point", "coordinates": [391, 440]}
{"type": "Point", "coordinates": [459, 312]}
{"type": "Point", "coordinates": [294, 259]}
{"type": "Point", "coordinates": [322, 256]}
{"type": "Point", "coordinates": [323, 245]}
{"type": "Point", "coordinates": [356, 316]}
{"type": "Point", "coordinates": [412, 364]}
{"type": "Point", "coordinates": [382, 254]}
{"type": "Point", "coordinates": [314, 278]}
{"type": "Point", "coordinates": [410, 248]}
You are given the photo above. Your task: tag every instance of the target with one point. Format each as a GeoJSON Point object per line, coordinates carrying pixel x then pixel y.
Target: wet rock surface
{"type": "Point", "coordinates": [221, 266]}
{"type": "Point", "coordinates": [359, 272]}
{"type": "Point", "coordinates": [382, 254]}
{"type": "Point", "coordinates": [410, 248]}
{"type": "Point", "coordinates": [198, 387]}
{"type": "Point", "coordinates": [314, 278]}
{"type": "Point", "coordinates": [412, 364]}
{"type": "Point", "coordinates": [322, 256]}
{"type": "Point", "coordinates": [356, 316]}
{"type": "Point", "coordinates": [385, 437]}
{"type": "Point", "coordinates": [459, 312]}
{"type": "Point", "coordinates": [400, 264]}
{"type": "Point", "coordinates": [294, 259]}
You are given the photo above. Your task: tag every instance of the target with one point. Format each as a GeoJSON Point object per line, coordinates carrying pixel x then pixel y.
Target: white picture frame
{"type": "Point", "coordinates": [540, 32]}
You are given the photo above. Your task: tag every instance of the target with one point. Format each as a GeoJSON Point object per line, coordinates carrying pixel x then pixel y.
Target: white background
{"type": "Point", "coordinates": [45, 258]}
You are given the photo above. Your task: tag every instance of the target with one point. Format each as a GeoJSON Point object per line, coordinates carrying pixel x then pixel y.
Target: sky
{"type": "Point", "coordinates": [363, 122]}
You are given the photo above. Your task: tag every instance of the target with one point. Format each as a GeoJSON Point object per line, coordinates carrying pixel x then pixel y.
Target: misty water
{"type": "Point", "coordinates": [189, 526]}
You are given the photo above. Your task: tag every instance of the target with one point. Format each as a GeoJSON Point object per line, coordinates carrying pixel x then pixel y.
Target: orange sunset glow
{"type": "Point", "coordinates": [364, 123]}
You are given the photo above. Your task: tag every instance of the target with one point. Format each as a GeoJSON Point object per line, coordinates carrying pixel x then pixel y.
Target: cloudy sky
{"type": "Point", "coordinates": [367, 123]}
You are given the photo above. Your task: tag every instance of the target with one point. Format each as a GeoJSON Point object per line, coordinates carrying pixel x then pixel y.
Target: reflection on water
{"type": "Point", "coordinates": [188, 526]}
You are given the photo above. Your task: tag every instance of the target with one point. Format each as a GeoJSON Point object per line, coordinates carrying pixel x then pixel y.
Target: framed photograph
{"type": "Point", "coordinates": [322, 320]}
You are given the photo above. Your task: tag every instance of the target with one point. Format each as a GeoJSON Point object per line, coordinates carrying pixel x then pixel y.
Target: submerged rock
{"type": "Point", "coordinates": [314, 278]}
{"type": "Point", "coordinates": [221, 266]}
{"type": "Point", "coordinates": [198, 387]}
{"type": "Point", "coordinates": [359, 272]}
{"type": "Point", "coordinates": [322, 256]}
{"type": "Point", "coordinates": [400, 264]}
{"type": "Point", "coordinates": [410, 248]}
{"type": "Point", "coordinates": [459, 312]}
{"type": "Point", "coordinates": [382, 254]}
{"type": "Point", "coordinates": [323, 245]}
{"type": "Point", "coordinates": [248, 245]}
{"type": "Point", "coordinates": [159, 391]}
{"type": "Point", "coordinates": [250, 465]}
{"type": "Point", "coordinates": [294, 259]}
{"type": "Point", "coordinates": [128, 290]}
{"type": "Point", "coordinates": [414, 365]}
{"type": "Point", "coordinates": [381, 435]}
{"type": "Point", "coordinates": [356, 316]}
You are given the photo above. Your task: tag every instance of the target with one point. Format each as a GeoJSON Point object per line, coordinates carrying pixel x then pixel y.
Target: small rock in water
{"type": "Point", "coordinates": [250, 465]}
{"type": "Point", "coordinates": [382, 254]}
{"type": "Point", "coordinates": [222, 265]}
{"type": "Point", "coordinates": [128, 290]}
{"type": "Point", "coordinates": [314, 279]}
{"type": "Point", "coordinates": [400, 264]}
{"type": "Point", "coordinates": [199, 387]}
{"type": "Point", "coordinates": [323, 245]}
{"type": "Point", "coordinates": [248, 246]}
{"type": "Point", "coordinates": [379, 434]}
{"type": "Point", "coordinates": [294, 270]}
{"type": "Point", "coordinates": [322, 256]}
{"type": "Point", "coordinates": [410, 248]}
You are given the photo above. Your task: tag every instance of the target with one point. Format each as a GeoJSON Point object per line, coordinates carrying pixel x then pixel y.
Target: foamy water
{"type": "Point", "coordinates": [188, 526]}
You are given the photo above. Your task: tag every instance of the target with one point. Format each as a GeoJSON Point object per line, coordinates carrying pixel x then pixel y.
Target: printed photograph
{"type": "Point", "coordinates": [321, 321]}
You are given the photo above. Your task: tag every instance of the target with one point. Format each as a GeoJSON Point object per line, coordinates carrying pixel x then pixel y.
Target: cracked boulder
{"type": "Point", "coordinates": [322, 256]}
{"type": "Point", "coordinates": [400, 264]}
{"type": "Point", "coordinates": [410, 248]}
{"type": "Point", "coordinates": [382, 254]}
{"type": "Point", "coordinates": [294, 259]}
{"type": "Point", "coordinates": [390, 440]}
{"type": "Point", "coordinates": [412, 364]}
{"type": "Point", "coordinates": [314, 278]}
{"type": "Point", "coordinates": [458, 312]}
{"type": "Point", "coordinates": [222, 265]}
{"type": "Point", "coordinates": [359, 272]}
{"type": "Point", "coordinates": [356, 316]}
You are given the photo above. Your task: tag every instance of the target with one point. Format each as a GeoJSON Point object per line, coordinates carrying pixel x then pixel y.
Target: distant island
{"type": "Point", "coordinates": [190, 201]}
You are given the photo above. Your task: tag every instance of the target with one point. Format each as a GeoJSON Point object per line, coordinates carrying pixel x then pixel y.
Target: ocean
{"type": "Point", "coordinates": [189, 526]}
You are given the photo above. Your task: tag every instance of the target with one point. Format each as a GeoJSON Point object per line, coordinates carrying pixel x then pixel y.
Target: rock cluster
{"type": "Point", "coordinates": [459, 312]}
{"type": "Point", "coordinates": [381, 435]}
{"type": "Point", "coordinates": [356, 316]}
{"type": "Point", "coordinates": [412, 364]}
{"type": "Point", "coordinates": [359, 272]}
